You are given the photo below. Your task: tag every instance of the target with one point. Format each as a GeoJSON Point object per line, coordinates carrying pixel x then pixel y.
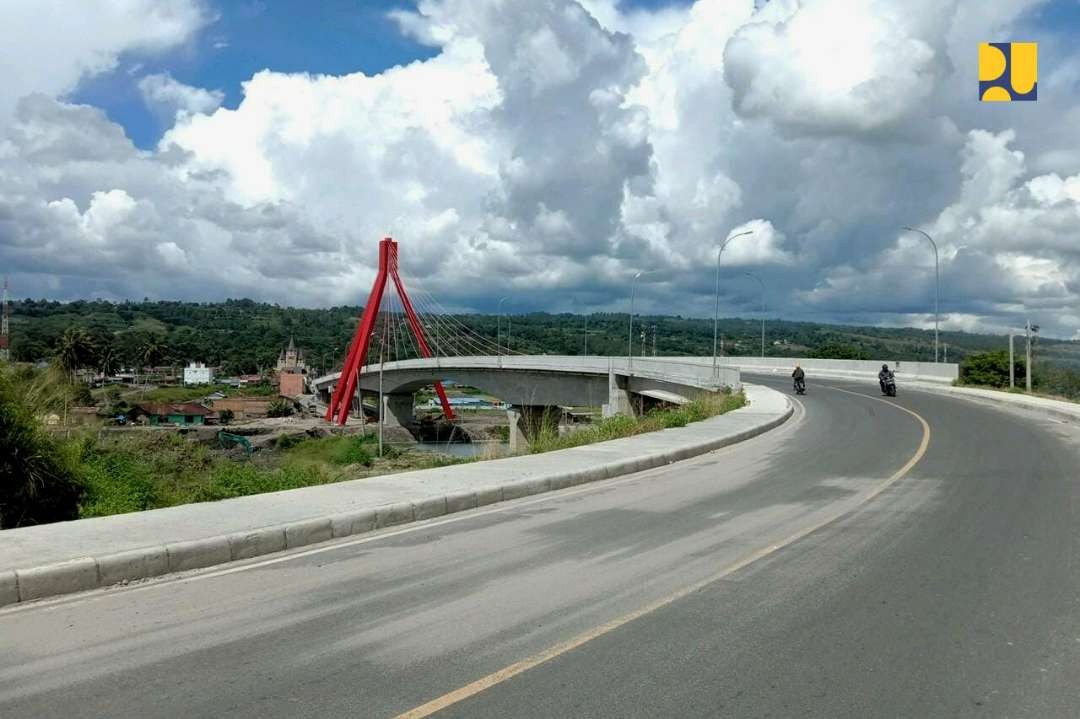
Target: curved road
{"type": "Point", "coordinates": [868, 558]}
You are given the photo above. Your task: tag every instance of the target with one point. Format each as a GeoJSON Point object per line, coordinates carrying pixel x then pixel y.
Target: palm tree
{"type": "Point", "coordinates": [74, 350]}
{"type": "Point", "coordinates": [150, 353]}
{"type": "Point", "coordinates": [107, 360]}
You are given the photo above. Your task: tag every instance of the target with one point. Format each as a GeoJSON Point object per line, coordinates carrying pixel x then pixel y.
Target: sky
{"type": "Point", "coordinates": [546, 151]}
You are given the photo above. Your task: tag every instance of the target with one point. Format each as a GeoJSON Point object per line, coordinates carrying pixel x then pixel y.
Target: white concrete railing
{"type": "Point", "coordinates": [689, 371]}
{"type": "Point", "coordinates": [923, 371]}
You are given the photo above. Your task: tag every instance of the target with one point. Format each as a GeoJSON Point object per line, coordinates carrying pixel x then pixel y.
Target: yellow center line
{"type": "Point", "coordinates": [500, 676]}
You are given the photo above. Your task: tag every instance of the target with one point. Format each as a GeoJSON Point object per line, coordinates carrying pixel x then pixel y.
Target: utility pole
{"type": "Point", "coordinates": [5, 328]}
{"type": "Point", "coordinates": [586, 335]}
{"type": "Point", "coordinates": [1027, 363]}
{"type": "Point", "coordinates": [643, 335]}
{"type": "Point", "coordinates": [1012, 362]}
{"type": "Point", "coordinates": [654, 340]}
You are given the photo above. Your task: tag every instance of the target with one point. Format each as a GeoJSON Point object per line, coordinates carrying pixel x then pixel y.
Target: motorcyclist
{"type": "Point", "coordinates": [800, 378]}
{"type": "Point", "coordinates": [884, 375]}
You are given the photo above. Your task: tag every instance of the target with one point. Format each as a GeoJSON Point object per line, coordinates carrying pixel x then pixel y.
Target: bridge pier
{"type": "Point", "coordinates": [528, 421]}
{"type": "Point", "coordinates": [619, 400]}
{"type": "Point", "coordinates": [398, 410]}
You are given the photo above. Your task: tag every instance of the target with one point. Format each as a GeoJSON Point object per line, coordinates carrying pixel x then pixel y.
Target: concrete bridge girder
{"type": "Point", "coordinates": [515, 387]}
{"type": "Point", "coordinates": [543, 380]}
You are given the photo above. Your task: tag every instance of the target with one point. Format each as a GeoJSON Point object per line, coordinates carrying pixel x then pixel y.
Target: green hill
{"type": "Point", "coordinates": [243, 336]}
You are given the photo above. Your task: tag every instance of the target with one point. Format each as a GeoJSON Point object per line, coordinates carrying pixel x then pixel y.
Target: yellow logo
{"type": "Point", "coordinates": [1008, 71]}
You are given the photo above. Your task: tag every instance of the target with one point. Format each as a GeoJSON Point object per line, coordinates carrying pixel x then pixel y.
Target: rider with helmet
{"type": "Point", "coordinates": [885, 375]}
{"type": "Point", "coordinates": [800, 379]}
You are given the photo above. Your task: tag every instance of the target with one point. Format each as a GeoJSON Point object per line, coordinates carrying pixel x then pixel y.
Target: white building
{"type": "Point", "coordinates": [198, 373]}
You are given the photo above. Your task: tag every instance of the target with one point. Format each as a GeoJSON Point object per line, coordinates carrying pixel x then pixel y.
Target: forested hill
{"type": "Point", "coordinates": [243, 336]}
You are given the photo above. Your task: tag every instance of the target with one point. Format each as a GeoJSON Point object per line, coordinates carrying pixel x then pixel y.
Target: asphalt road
{"type": "Point", "coordinates": [849, 564]}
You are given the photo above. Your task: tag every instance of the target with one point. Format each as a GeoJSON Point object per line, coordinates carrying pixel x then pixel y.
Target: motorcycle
{"type": "Point", "coordinates": [800, 386]}
{"type": "Point", "coordinates": [888, 387]}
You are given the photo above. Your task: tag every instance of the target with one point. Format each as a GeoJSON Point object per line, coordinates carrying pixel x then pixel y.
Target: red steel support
{"type": "Point", "coordinates": [417, 328]}
{"type": "Point", "coordinates": [341, 400]}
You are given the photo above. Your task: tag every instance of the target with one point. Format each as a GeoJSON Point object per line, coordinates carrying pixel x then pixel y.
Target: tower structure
{"type": "Point", "coordinates": [341, 399]}
{"type": "Point", "coordinates": [5, 327]}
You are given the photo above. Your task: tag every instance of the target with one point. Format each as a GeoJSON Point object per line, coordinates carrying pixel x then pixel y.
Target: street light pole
{"type": "Point", "coordinates": [937, 285]}
{"type": "Point", "coordinates": [762, 283]}
{"type": "Point", "coordinates": [716, 307]}
{"type": "Point", "coordinates": [498, 327]}
{"type": "Point", "coordinates": [630, 329]}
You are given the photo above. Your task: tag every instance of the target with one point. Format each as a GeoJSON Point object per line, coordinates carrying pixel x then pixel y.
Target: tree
{"type": "Point", "coordinates": [839, 351]}
{"type": "Point", "coordinates": [107, 360]}
{"type": "Point", "coordinates": [226, 416]}
{"type": "Point", "coordinates": [151, 351]}
{"type": "Point", "coordinates": [75, 349]}
{"type": "Point", "coordinates": [989, 368]}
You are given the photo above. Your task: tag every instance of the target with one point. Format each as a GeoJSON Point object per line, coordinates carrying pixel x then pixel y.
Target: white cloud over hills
{"type": "Point", "coordinates": [550, 149]}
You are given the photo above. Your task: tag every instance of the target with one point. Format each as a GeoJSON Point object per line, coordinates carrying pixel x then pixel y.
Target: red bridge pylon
{"type": "Point", "coordinates": [350, 374]}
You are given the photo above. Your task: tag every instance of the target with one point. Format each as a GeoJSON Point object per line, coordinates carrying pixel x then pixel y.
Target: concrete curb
{"type": "Point", "coordinates": [1056, 409]}
{"type": "Point", "coordinates": [86, 573]}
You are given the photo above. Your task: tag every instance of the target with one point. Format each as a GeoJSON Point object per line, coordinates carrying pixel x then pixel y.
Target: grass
{"type": "Point", "coordinates": [189, 394]}
{"type": "Point", "coordinates": [148, 471]}
{"type": "Point", "coordinates": [133, 473]}
{"type": "Point", "coordinates": [619, 426]}
{"type": "Point", "coordinates": [139, 471]}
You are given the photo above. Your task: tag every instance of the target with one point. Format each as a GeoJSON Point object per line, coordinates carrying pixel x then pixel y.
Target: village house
{"type": "Point", "coordinates": [178, 413]}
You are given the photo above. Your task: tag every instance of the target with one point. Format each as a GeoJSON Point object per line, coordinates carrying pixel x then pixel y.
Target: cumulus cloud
{"type": "Point", "coordinates": [832, 66]}
{"type": "Point", "coordinates": [550, 149]}
{"type": "Point", "coordinates": [49, 45]}
{"type": "Point", "coordinates": [167, 96]}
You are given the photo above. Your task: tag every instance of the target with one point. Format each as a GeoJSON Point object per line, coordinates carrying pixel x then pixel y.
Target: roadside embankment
{"type": "Point", "coordinates": [53, 559]}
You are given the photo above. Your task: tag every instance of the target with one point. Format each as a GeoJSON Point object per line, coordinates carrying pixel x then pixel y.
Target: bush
{"type": "Point", "coordinates": [348, 450]}
{"type": "Point", "coordinates": [335, 450]}
{"type": "Point", "coordinates": [989, 368]}
{"type": "Point", "coordinates": [226, 416]}
{"type": "Point", "coordinates": [39, 479]}
{"type": "Point", "coordinates": [287, 441]}
{"type": "Point", "coordinates": [279, 408]}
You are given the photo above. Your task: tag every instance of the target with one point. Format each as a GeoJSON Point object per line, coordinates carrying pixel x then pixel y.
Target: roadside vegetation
{"type": "Point", "coordinates": [991, 369]}
{"type": "Point", "coordinates": [548, 438]}
{"type": "Point", "coordinates": [48, 476]}
{"type": "Point", "coordinates": [39, 479]}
